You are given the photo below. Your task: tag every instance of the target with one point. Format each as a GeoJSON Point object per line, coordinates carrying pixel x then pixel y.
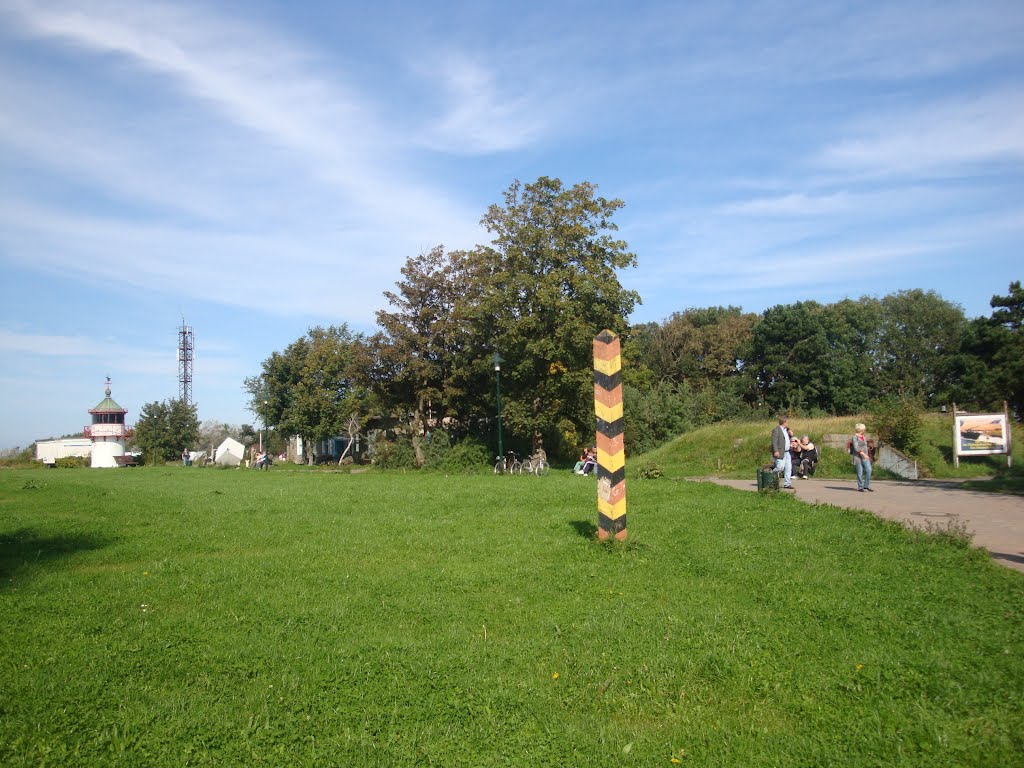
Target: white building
{"type": "Point", "coordinates": [48, 451]}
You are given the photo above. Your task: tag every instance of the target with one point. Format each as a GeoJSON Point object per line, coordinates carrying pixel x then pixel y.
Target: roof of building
{"type": "Point", "coordinates": [107, 405]}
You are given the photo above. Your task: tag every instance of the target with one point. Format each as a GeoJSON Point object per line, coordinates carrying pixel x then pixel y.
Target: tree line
{"type": "Point", "coordinates": [810, 359]}
{"type": "Point", "coordinates": [549, 282]}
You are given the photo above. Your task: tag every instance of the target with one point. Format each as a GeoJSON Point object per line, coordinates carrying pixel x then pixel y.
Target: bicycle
{"type": "Point", "coordinates": [509, 464]}
{"type": "Point", "coordinates": [537, 466]}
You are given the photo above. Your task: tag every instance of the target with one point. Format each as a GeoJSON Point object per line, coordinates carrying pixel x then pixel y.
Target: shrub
{"type": "Point", "coordinates": [897, 421]}
{"type": "Point", "coordinates": [72, 462]}
{"type": "Point", "coordinates": [436, 446]}
{"type": "Point", "coordinates": [648, 470]}
{"type": "Point", "coordinates": [397, 454]}
{"type": "Point", "coordinates": [467, 456]}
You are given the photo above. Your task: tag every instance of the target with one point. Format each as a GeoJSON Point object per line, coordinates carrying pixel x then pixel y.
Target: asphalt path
{"type": "Point", "coordinates": [995, 520]}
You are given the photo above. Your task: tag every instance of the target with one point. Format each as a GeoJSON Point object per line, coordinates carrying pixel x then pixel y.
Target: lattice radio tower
{"type": "Point", "coordinates": [186, 361]}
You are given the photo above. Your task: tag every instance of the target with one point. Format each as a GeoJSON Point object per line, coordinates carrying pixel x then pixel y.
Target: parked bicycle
{"type": "Point", "coordinates": [536, 465]}
{"type": "Point", "coordinates": [508, 464]}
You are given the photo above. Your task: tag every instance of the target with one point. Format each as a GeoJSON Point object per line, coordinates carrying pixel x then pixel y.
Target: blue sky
{"type": "Point", "coordinates": [260, 167]}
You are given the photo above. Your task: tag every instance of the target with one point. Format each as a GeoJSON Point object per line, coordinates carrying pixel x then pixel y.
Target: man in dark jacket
{"type": "Point", "coordinates": [780, 451]}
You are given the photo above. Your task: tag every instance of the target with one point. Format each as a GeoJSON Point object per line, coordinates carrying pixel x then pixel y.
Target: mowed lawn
{"type": "Point", "coordinates": [172, 616]}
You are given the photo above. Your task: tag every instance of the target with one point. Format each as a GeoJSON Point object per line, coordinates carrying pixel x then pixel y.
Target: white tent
{"type": "Point", "coordinates": [229, 453]}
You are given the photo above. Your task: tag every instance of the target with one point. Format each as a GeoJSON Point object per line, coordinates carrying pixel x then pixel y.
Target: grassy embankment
{"type": "Point", "coordinates": [736, 449]}
{"type": "Point", "coordinates": [171, 616]}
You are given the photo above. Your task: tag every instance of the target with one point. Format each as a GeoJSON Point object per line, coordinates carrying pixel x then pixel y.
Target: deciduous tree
{"type": "Point", "coordinates": [164, 429]}
{"type": "Point", "coordinates": [310, 390]}
{"type": "Point", "coordinates": [549, 284]}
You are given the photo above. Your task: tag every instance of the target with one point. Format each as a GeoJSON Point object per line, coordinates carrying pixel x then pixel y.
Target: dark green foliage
{"type": "Point", "coordinates": [394, 454]}
{"type": "Point", "coordinates": [918, 345]}
{"type": "Point", "coordinates": [1006, 350]}
{"type": "Point", "coordinates": [165, 429]}
{"type": "Point", "coordinates": [468, 455]}
{"type": "Point", "coordinates": [654, 416]}
{"type": "Point", "coordinates": [311, 389]}
{"type": "Point", "coordinates": [897, 421]}
{"type": "Point", "coordinates": [647, 470]}
{"type": "Point", "coordinates": [440, 453]}
{"type": "Point", "coordinates": [549, 286]}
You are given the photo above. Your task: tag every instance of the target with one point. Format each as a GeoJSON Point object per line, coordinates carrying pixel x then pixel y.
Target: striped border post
{"type": "Point", "coordinates": [611, 457]}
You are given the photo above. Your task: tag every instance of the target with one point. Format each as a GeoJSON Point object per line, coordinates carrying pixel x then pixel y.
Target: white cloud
{"type": "Point", "coordinates": [948, 137]}
{"type": "Point", "coordinates": [793, 204]}
{"type": "Point", "coordinates": [273, 172]}
{"type": "Point", "coordinates": [116, 355]}
{"type": "Point", "coordinates": [480, 115]}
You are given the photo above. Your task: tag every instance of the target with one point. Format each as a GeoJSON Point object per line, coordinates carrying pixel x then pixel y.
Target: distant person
{"type": "Point", "coordinates": [796, 453]}
{"type": "Point", "coordinates": [780, 452]}
{"type": "Point", "coordinates": [589, 462]}
{"type": "Point", "coordinates": [184, 457]}
{"type": "Point", "coordinates": [861, 453]}
{"type": "Point", "coordinates": [808, 457]}
{"type": "Point", "coordinates": [578, 469]}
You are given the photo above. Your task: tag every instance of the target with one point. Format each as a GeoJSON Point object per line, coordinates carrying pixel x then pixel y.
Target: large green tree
{"type": "Point", "coordinates": [919, 341]}
{"type": "Point", "coordinates": [310, 389]}
{"type": "Point", "coordinates": [414, 360]}
{"type": "Point", "coordinates": [549, 283]}
{"type": "Point", "coordinates": [991, 367]}
{"type": "Point", "coordinates": [164, 429]}
{"type": "Point", "coordinates": [1009, 358]}
{"type": "Point", "coordinates": [702, 346]}
{"type": "Point", "coordinates": [787, 349]}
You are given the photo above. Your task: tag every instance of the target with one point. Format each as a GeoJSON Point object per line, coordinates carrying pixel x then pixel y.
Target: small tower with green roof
{"type": "Point", "coordinates": [108, 431]}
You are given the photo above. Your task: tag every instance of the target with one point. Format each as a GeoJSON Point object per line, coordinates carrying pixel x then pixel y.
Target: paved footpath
{"type": "Point", "coordinates": [996, 520]}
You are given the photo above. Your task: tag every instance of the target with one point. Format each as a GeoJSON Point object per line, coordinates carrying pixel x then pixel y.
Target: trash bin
{"type": "Point", "coordinates": [767, 480]}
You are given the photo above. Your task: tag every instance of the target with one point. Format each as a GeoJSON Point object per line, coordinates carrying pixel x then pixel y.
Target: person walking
{"type": "Point", "coordinates": [861, 458]}
{"type": "Point", "coordinates": [780, 451]}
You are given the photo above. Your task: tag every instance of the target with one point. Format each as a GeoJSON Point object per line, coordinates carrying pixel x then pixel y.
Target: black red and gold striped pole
{"type": "Point", "coordinates": [611, 457]}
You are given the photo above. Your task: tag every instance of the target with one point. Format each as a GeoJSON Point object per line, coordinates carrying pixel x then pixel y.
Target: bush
{"type": "Point", "coordinates": [397, 454]}
{"type": "Point", "coordinates": [647, 470]}
{"type": "Point", "coordinates": [469, 455]}
{"type": "Point", "coordinates": [72, 462]}
{"type": "Point", "coordinates": [436, 446]}
{"type": "Point", "coordinates": [898, 422]}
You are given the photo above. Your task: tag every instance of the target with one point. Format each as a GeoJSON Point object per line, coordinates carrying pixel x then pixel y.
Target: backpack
{"type": "Point", "coordinates": [849, 447]}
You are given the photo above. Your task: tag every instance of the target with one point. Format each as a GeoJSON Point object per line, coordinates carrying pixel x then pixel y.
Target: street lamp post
{"type": "Point", "coordinates": [265, 404]}
{"type": "Point", "coordinates": [498, 360]}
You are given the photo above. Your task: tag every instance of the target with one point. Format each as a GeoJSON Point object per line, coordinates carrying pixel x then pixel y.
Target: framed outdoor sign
{"type": "Point", "coordinates": [981, 434]}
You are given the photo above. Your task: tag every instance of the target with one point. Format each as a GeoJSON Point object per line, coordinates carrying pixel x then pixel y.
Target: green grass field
{"type": "Point", "coordinates": [171, 616]}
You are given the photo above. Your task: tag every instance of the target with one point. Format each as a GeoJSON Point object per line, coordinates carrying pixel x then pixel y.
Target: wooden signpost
{"type": "Point", "coordinates": [611, 457]}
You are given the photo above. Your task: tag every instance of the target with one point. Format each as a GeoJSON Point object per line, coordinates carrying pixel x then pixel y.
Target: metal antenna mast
{"type": "Point", "coordinates": [186, 361]}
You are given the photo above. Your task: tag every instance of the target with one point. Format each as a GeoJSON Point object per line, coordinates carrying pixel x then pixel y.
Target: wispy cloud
{"type": "Point", "coordinates": [793, 204]}
{"type": "Point", "coordinates": [946, 137]}
{"type": "Point", "coordinates": [280, 161]}
{"type": "Point", "coordinates": [116, 355]}
{"type": "Point", "coordinates": [480, 114]}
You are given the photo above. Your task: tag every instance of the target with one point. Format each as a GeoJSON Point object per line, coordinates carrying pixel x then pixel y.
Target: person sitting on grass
{"type": "Point", "coordinates": [578, 469]}
{"type": "Point", "coordinates": [590, 461]}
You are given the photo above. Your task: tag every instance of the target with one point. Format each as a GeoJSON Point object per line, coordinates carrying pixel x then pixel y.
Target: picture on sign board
{"type": "Point", "coordinates": [981, 434]}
